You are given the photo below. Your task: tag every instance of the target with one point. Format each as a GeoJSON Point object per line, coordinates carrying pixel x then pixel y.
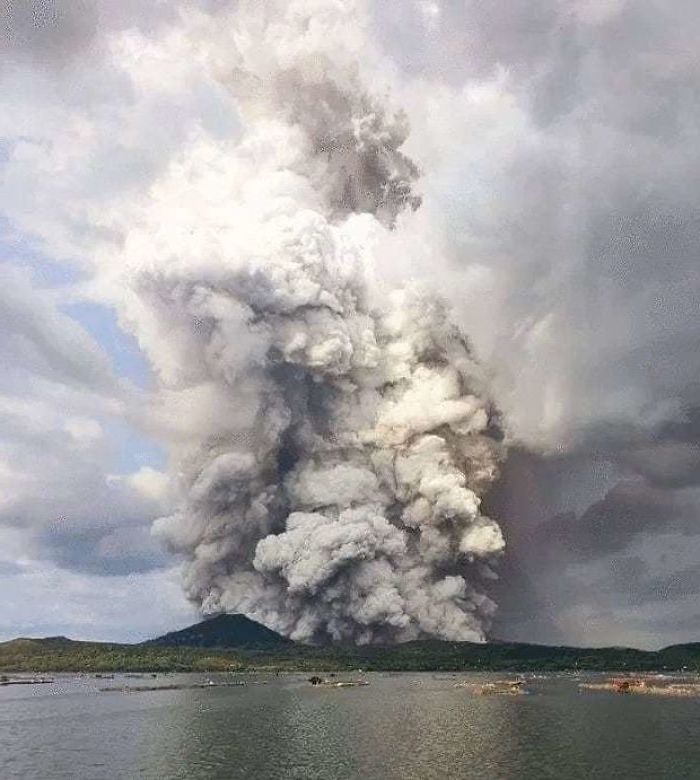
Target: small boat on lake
{"type": "Point", "coordinates": [332, 683]}
{"type": "Point", "coordinates": [651, 686]}
{"type": "Point", "coordinates": [504, 688]}
{"type": "Point", "coordinates": [497, 688]}
{"type": "Point", "coordinates": [25, 680]}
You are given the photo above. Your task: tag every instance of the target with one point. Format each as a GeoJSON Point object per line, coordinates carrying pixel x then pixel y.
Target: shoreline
{"type": "Point", "coordinates": [58, 654]}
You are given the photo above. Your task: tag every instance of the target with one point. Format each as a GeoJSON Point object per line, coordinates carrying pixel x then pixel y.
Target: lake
{"type": "Point", "coordinates": [400, 726]}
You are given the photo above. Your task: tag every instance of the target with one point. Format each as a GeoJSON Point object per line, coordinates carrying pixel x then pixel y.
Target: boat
{"type": "Point", "coordinates": [26, 681]}
{"type": "Point", "coordinates": [330, 683]}
{"type": "Point", "coordinates": [496, 688]}
{"type": "Point", "coordinates": [666, 686]}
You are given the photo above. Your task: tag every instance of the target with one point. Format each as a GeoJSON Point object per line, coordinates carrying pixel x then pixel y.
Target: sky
{"type": "Point", "coordinates": [559, 158]}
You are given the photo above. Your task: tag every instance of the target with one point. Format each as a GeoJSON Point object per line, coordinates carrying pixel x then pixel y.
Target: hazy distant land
{"type": "Point", "coordinates": [233, 642]}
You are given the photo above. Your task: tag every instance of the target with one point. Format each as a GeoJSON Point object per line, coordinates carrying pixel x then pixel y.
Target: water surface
{"type": "Point", "coordinates": [400, 726]}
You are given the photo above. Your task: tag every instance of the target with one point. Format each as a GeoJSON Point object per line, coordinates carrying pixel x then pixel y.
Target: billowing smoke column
{"type": "Point", "coordinates": [334, 439]}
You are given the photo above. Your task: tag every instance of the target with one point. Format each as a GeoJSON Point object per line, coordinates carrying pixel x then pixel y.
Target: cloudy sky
{"type": "Point", "coordinates": [557, 141]}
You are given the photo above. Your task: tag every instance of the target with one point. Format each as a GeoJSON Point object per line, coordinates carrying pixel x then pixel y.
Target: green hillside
{"type": "Point", "coordinates": [199, 648]}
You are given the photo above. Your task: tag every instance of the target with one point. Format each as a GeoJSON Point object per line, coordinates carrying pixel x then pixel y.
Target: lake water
{"type": "Point", "coordinates": [400, 726]}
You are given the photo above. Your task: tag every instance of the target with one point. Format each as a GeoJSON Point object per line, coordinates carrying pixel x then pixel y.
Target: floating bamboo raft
{"type": "Point", "coordinates": [646, 686]}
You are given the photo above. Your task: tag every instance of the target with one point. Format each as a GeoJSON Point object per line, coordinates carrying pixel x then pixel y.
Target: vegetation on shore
{"type": "Point", "coordinates": [64, 655]}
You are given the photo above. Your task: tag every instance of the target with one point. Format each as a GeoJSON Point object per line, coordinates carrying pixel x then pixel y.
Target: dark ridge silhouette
{"type": "Point", "coordinates": [234, 642]}
{"type": "Point", "coordinates": [222, 631]}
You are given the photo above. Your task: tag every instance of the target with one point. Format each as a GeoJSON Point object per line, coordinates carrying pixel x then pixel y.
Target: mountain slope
{"type": "Point", "coordinates": [199, 648]}
{"type": "Point", "coordinates": [681, 655]}
{"type": "Point", "coordinates": [222, 631]}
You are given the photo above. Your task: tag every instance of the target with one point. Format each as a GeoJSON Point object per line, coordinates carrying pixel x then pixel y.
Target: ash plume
{"type": "Point", "coordinates": [332, 437]}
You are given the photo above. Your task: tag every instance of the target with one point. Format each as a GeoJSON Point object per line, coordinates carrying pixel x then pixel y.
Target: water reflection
{"type": "Point", "coordinates": [401, 726]}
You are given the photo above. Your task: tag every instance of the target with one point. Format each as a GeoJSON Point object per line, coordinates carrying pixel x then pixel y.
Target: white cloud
{"type": "Point", "coordinates": [40, 599]}
{"type": "Point", "coordinates": [559, 147]}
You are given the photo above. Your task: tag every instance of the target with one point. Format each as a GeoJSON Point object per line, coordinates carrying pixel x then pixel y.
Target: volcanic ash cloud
{"type": "Point", "coordinates": [331, 436]}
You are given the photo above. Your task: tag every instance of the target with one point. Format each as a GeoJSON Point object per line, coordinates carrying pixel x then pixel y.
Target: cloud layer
{"type": "Point", "coordinates": [558, 156]}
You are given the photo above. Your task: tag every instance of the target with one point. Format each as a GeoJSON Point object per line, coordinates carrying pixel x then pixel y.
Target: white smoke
{"type": "Point", "coordinates": [168, 149]}
{"type": "Point", "coordinates": [331, 436]}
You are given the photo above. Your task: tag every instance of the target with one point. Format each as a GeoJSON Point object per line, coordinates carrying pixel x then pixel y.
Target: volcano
{"type": "Point", "coordinates": [222, 631]}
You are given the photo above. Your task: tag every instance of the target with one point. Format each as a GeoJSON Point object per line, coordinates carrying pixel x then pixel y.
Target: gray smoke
{"type": "Point", "coordinates": [331, 434]}
{"type": "Point", "coordinates": [177, 155]}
